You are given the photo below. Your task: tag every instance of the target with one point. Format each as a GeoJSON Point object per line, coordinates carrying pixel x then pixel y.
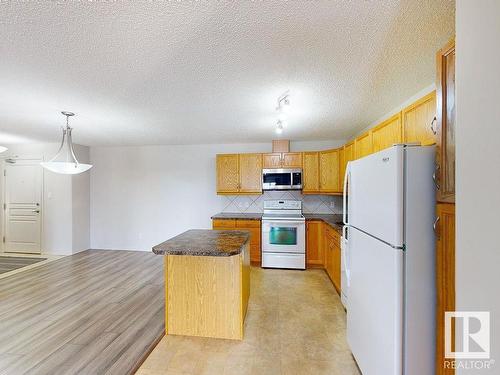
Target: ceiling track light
{"type": "Point", "coordinates": [283, 102]}
{"type": "Point", "coordinates": [282, 109]}
{"type": "Point", "coordinates": [68, 163]}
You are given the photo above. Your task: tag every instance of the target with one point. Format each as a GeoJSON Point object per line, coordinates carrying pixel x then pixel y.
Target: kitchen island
{"type": "Point", "coordinates": [207, 283]}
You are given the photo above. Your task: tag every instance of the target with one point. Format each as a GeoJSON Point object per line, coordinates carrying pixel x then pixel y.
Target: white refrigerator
{"type": "Point", "coordinates": [390, 242]}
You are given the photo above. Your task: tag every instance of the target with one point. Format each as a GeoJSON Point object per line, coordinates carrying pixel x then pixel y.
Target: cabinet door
{"type": "Point", "coordinates": [314, 243]}
{"type": "Point", "coordinates": [387, 133]}
{"type": "Point", "coordinates": [253, 226]}
{"type": "Point", "coordinates": [419, 121]}
{"type": "Point", "coordinates": [336, 262]}
{"type": "Point", "coordinates": [329, 171]}
{"type": "Point", "coordinates": [363, 145]}
{"type": "Point", "coordinates": [446, 122]}
{"type": "Point", "coordinates": [272, 160]}
{"type": "Point", "coordinates": [342, 164]}
{"type": "Point", "coordinates": [250, 173]}
{"type": "Point", "coordinates": [292, 160]}
{"type": "Point", "coordinates": [445, 277]}
{"type": "Point", "coordinates": [310, 175]}
{"type": "Point", "coordinates": [227, 173]}
{"type": "Point", "coordinates": [328, 257]}
{"type": "Point", "coordinates": [348, 156]}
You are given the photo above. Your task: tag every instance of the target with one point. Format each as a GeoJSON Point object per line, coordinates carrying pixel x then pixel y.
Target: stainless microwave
{"type": "Point", "coordinates": [282, 179]}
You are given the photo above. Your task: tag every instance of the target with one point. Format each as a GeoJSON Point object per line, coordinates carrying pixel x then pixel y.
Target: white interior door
{"type": "Point", "coordinates": [375, 305]}
{"type": "Point", "coordinates": [23, 209]}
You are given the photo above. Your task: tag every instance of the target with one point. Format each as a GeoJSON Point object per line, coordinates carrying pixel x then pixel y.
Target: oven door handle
{"type": "Point", "coordinates": [277, 222]}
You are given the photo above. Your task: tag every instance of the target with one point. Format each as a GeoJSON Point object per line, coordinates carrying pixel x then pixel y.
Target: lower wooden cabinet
{"type": "Point", "coordinates": [253, 226]}
{"type": "Point", "coordinates": [314, 244]}
{"type": "Point", "coordinates": [445, 277]}
{"type": "Point", "coordinates": [323, 249]}
{"type": "Point", "coordinates": [332, 255]}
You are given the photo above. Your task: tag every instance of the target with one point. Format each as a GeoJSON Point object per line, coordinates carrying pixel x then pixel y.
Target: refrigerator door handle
{"type": "Point", "coordinates": [343, 255]}
{"type": "Point", "coordinates": [344, 195]}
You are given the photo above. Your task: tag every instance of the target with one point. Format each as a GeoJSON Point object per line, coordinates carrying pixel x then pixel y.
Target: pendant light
{"type": "Point", "coordinates": [2, 149]}
{"type": "Point", "coordinates": [65, 161]}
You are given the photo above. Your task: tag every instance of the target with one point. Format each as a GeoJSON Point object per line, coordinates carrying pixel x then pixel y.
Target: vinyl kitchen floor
{"type": "Point", "coordinates": [295, 325]}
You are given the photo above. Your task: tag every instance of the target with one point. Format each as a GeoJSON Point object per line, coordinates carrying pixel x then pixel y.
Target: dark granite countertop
{"type": "Point", "coordinates": [331, 219]}
{"type": "Point", "coordinates": [245, 216]}
{"type": "Point", "coordinates": [204, 242]}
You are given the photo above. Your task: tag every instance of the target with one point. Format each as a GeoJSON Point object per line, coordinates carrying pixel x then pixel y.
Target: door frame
{"type": "Point", "coordinates": [3, 164]}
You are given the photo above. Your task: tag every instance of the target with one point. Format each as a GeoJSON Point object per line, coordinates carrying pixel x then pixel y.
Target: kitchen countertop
{"type": "Point", "coordinates": [244, 216]}
{"type": "Point", "coordinates": [330, 219]}
{"type": "Point", "coordinates": [204, 242]}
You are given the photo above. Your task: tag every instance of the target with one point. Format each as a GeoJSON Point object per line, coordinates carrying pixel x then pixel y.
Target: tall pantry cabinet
{"type": "Point", "coordinates": [444, 178]}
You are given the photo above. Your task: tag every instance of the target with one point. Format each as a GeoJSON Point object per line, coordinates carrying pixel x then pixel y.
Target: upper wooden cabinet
{"type": "Point", "coordinates": [347, 156]}
{"type": "Point", "coordinates": [419, 121]}
{"type": "Point", "coordinates": [282, 160]}
{"type": "Point", "coordinates": [363, 145]}
{"type": "Point", "coordinates": [239, 173]}
{"type": "Point", "coordinates": [228, 175]}
{"type": "Point", "coordinates": [310, 172]}
{"type": "Point", "coordinates": [387, 133]}
{"type": "Point", "coordinates": [292, 160]}
{"type": "Point", "coordinates": [329, 168]}
{"type": "Point", "coordinates": [445, 114]}
{"type": "Point", "coordinates": [250, 173]}
{"type": "Point", "coordinates": [271, 160]}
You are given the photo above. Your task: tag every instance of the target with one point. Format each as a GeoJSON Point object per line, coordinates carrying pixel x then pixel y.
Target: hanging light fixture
{"type": "Point", "coordinates": [65, 161]}
{"type": "Point", "coordinates": [3, 149]}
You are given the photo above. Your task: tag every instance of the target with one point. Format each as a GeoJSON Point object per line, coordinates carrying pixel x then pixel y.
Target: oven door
{"type": "Point", "coordinates": [283, 236]}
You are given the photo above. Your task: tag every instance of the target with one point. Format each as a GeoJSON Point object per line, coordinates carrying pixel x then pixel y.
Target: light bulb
{"type": "Point", "coordinates": [279, 127]}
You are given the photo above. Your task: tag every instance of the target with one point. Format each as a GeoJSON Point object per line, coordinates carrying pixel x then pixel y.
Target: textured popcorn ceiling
{"type": "Point", "coordinates": [161, 72]}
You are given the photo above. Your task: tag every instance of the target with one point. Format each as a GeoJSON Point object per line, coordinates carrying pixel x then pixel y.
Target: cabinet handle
{"type": "Point", "coordinates": [434, 120]}
{"type": "Point", "coordinates": [435, 178]}
{"type": "Point", "coordinates": [434, 227]}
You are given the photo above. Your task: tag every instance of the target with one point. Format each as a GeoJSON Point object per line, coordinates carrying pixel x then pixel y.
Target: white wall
{"type": "Point", "coordinates": [478, 164]}
{"type": "Point", "coordinates": [141, 196]}
{"type": "Point", "coordinates": [58, 201]}
{"type": "Point", "coordinates": [80, 185]}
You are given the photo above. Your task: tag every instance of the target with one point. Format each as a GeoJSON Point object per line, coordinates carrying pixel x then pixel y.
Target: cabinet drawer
{"type": "Point", "coordinates": [223, 223]}
{"type": "Point", "coordinates": [247, 223]}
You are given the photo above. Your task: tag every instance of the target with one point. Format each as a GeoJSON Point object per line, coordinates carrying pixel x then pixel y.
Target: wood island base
{"type": "Point", "coordinates": [207, 295]}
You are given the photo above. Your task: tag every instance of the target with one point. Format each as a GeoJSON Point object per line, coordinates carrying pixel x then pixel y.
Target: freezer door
{"type": "Point", "coordinates": [375, 201]}
{"type": "Point", "coordinates": [375, 305]}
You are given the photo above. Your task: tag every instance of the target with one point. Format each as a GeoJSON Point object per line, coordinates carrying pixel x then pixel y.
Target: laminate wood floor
{"type": "Point", "coordinates": [10, 263]}
{"type": "Point", "coordinates": [96, 312]}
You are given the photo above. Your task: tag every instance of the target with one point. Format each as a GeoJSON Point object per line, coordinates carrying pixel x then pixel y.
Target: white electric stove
{"type": "Point", "coordinates": [283, 235]}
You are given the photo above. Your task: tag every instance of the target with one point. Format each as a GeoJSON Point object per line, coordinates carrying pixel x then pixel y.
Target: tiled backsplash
{"type": "Point", "coordinates": [318, 204]}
